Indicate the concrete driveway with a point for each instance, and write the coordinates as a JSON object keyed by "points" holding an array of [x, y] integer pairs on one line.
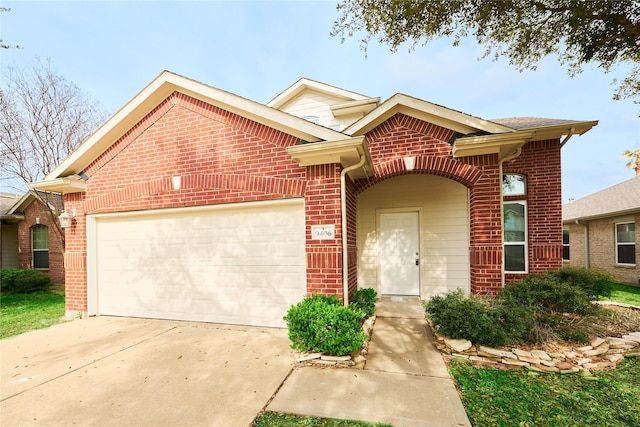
{"points": [[120, 372]]}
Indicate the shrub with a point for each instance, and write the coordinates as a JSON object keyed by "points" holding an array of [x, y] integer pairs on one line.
{"points": [[321, 324], [547, 292], [364, 300], [597, 284], [23, 281], [481, 321]]}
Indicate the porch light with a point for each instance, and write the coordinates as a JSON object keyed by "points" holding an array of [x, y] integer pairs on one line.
{"points": [[410, 163], [66, 219]]}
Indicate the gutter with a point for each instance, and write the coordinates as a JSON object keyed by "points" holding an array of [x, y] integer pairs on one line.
{"points": [[343, 209]]}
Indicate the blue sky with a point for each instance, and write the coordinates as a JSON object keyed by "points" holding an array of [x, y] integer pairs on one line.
{"points": [[112, 50]]}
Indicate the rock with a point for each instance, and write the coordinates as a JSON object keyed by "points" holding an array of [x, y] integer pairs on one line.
{"points": [[584, 348], [518, 352], [549, 363], [360, 359], [534, 360], [335, 358], [557, 356], [637, 334], [584, 361], [460, 356], [635, 338], [596, 342], [547, 368], [614, 357], [541, 354], [494, 352], [323, 362], [563, 366], [310, 356], [458, 345], [571, 355], [483, 360], [514, 362], [595, 352], [621, 342]]}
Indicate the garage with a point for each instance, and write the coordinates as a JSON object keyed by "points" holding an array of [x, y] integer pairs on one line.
{"points": [[238, 263]]}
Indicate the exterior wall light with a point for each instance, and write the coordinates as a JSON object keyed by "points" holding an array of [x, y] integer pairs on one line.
{"points": [[66, 219], [410, 163]]}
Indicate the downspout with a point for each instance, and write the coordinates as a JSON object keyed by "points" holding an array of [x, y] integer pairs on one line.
{"points": [[343, 209], [587, 260], [500, 162]]}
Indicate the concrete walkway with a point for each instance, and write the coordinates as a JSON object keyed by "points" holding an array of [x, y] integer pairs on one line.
{"points": [[405, 381]]}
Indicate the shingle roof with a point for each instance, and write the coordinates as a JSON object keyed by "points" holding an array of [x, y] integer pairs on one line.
{"points": [[7, 200], [619, 199], [520, 123]]}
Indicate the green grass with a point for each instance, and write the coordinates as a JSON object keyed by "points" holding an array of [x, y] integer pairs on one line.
{"points": [[25, 312], [520, 398], [275, 419], [625, 294]]}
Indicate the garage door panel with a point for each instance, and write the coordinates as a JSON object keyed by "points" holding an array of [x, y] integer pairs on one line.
{"points": [[242, 266]]}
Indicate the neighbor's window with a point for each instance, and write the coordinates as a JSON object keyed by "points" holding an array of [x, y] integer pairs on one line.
{"points": [[566, 251], [40, 246], [515, 237], [626, 243], [514, 184]]}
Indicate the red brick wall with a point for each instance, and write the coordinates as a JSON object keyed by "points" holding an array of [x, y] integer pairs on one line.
{"points": [[540, 163], [38, 213], [75, 256], [403, 136]]}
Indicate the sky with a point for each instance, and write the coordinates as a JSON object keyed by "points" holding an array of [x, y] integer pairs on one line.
{"points": [[256, 49]]}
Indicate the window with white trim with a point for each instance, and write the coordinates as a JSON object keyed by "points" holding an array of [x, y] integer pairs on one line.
{"points": [[515, 236], [40, 246], [566, 249], [626, 243]]}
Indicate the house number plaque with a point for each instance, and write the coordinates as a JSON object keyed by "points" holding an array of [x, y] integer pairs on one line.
{"points": [[323, 232]]}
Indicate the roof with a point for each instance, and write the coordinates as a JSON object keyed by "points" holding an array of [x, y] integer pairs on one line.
{"points": [[7, 200], [620, 199], [475, 136]]}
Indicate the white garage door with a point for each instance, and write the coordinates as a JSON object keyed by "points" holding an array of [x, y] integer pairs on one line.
{"points": [[240, 264]]}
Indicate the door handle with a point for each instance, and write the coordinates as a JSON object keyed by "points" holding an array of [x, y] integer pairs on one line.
{"points": [[417, 258], [417, 262]]}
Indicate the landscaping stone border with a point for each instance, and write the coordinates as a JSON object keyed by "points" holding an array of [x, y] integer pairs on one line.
{"points": [[601, 353]]}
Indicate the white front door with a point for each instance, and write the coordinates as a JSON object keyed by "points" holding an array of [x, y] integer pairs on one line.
{"points": [[399, 253]]}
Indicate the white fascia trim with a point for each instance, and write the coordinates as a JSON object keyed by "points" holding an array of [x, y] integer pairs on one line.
{"points": [[156, 92], [355, 107], [423, 110], [64, 185]]}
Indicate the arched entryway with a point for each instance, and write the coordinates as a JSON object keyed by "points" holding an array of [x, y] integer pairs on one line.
{"points": [[413, 236]]}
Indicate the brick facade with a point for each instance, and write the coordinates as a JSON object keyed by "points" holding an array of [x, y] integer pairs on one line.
{"points": [[602, 247], [222, 157], [38, 213]]}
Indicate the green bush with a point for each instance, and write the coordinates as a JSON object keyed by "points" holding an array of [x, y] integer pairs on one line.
{"points": [[597, 284], [322, 324], [482, 321], [364, 300], [547, 292], [18, 281]]}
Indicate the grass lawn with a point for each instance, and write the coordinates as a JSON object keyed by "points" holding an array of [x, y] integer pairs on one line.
{"points": [[275, 419], [494, 397], [25, 312], [625, 294]]}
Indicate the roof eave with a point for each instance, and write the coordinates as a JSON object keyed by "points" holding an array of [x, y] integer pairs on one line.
{"points": [[64, 185], [346, 152], [156, 92], [602, 216]]}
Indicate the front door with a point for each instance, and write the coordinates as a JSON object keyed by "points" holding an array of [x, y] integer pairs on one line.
{"points": [[399, 253]]}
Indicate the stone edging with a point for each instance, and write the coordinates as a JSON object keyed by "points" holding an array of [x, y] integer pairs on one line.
{"points": [[602, 353], [355, 360]]}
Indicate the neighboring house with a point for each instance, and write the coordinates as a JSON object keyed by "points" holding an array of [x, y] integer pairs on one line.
{"points": [[600, 231], [194, 203], [31, 235]]}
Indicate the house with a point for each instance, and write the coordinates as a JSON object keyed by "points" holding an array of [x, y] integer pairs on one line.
{"points": [[599, 231], [194, 203], [31, 234]]}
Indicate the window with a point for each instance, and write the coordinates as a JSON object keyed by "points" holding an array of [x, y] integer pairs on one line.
{"points": [[515, 237], [626, 243], [566, 252], [40, 246], [513, 184]]}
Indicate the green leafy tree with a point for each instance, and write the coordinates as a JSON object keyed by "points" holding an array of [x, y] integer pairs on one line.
{"points": [[605, 32], [634, 159]]}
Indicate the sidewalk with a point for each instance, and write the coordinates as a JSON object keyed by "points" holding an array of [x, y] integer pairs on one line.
{"points": [[404, 383]]}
